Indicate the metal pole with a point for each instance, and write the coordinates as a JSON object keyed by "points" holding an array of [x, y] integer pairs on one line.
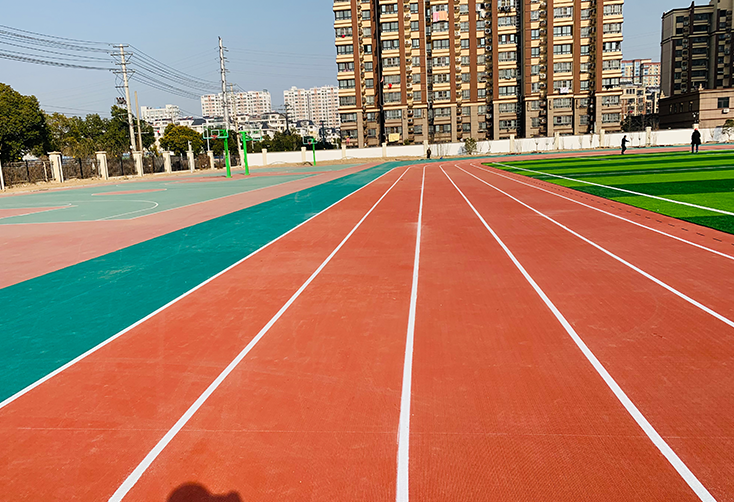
{"points": [[123, 63], [2, 178], [140, 135], [224, 86], [313, 146], [226, 157]]}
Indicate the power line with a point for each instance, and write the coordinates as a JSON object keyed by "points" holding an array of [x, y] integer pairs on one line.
{"points": [[25, 59]]}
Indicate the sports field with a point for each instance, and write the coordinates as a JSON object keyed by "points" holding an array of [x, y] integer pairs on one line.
{"points": [[696, 188], [405, 331]]}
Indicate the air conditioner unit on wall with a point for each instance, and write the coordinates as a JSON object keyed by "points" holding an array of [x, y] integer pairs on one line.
{"points": [[725, 110]]}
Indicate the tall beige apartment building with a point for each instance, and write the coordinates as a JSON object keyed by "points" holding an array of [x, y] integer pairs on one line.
{"points": [[440, 70]]}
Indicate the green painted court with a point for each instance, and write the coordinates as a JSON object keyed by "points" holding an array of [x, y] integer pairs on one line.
{"points": [[672, 184]]}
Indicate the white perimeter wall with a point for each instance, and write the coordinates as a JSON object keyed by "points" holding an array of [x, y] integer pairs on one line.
{"points": [[669, 137]]}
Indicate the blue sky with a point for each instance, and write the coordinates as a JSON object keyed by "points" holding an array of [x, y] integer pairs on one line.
{"points": [[267, 49]]}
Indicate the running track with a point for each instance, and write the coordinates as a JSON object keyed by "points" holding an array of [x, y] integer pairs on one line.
{"points": [[448, 332]]}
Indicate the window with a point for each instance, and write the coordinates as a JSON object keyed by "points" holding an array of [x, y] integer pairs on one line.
{"points": [[464, 43], [418, 113], [440, 26], [389, 8], [417, 61], [613, 28], [388, 27], [508, 107], [344, 49], [610, 101], [390, 62], [365, 15], [585, 31], [561, 67], [464, 26], [583, 120], [442, 112], [562, 12], [612, 64], [534, 122], [392, 79], [391, 97], [393, 114], [417, 78], [563, 86], [612, 46], [417, 95], [465, 94], [562, 49], [347, 101], [481, 93], [608, 83], [585, 13], [371, 133], [416, 43], [342, 14], [508, 90], [562, 31], [415, 26], [584, 85], [368, 49], [418, 129], [442, 95], [414, 8], [723, 103], [345, 66], [465, 127], [535, 69], [441, 78], [346, 84], [367, 66], [534, 34], [507, 21], [584, 50], [508, 124], [508, 74], [348, 117], [562, 120], [507, 56], [562, 103], [466, 77], [442, 61], [390, 45], [610, 118], [510, 38], [535, 52], [343, 32], [613, 10], [369, 83]]}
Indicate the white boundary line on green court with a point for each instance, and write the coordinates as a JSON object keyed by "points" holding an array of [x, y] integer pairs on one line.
{"points": [[114, 337], [682, 469], [705, 208], [680, 239], [657, 171]]}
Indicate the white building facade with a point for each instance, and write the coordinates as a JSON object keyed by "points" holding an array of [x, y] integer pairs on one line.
{"points": [[169, 112], [318, 104], [240, 103]]}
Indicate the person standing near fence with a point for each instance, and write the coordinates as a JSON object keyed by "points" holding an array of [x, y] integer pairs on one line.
{"points": [[695, 141], [624, 144]]}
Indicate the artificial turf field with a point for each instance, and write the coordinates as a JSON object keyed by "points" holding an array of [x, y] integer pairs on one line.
{"points": [[705, 179]]}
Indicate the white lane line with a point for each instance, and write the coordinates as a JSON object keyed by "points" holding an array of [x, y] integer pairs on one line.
{"points": [[654, 279], [680, 239], [175, 300], [648, 171], [155, 205], [133, 478], [705, 208], [649, 430], [403, 488]]}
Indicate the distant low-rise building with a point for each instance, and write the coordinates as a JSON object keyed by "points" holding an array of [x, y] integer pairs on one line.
{"points": [[708, 108], [168, 112]]}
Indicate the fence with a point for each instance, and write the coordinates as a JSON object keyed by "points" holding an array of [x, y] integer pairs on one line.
{"points": [[153, 164], [27, 171], [79, 168], [202, 162], [179, 163]]}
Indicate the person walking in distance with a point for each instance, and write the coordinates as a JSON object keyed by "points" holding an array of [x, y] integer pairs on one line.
{"points": [[695, 141], [428, 153], [624, 144]]}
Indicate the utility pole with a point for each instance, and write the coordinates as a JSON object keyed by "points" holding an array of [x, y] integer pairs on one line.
{"points": [[123, 65], [140, 135], [223, 70], [237, 125]]}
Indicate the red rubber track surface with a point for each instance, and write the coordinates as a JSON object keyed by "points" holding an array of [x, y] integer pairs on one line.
{"points": [[77, 436], [671, 358], [66, 244], [504, 405]]}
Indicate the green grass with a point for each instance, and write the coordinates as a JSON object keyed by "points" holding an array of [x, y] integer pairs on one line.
{"points": [[706, 179]]}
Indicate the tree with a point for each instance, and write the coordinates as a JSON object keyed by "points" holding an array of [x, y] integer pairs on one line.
{"points": [[77, 137], [470, 145], [728, 128], [176, 138], [22, 125]]}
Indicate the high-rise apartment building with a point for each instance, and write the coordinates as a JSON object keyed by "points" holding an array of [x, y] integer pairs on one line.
{"points": [[240, 103], [643, 72], [696, 48], [169, 112], [318, 104], [441, 70]]}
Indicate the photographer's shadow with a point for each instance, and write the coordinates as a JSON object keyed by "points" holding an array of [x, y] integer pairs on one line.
{"points": [[194, 492]]}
